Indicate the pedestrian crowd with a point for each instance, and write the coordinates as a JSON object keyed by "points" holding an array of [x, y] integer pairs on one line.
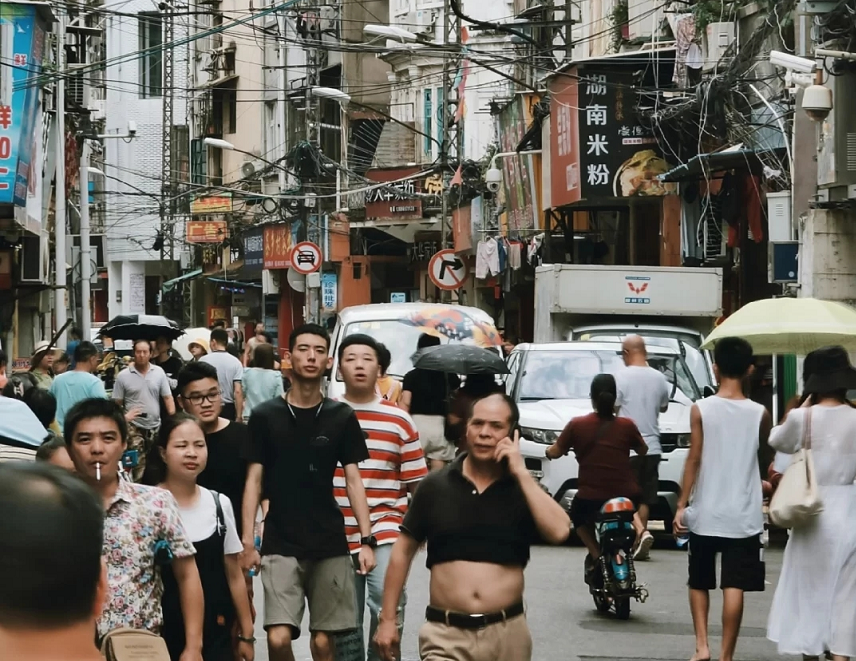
{"points": [[153, 509]]}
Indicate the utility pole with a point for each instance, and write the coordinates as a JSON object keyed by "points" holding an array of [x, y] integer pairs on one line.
{"points": [[313, 137], [60, 226], [168, 96], [85, 247], [451, 142]]}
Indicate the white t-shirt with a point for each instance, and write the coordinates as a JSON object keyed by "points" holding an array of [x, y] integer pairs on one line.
{"points": [[727, 500], [642, 392], [200, 521], [230, 371]]}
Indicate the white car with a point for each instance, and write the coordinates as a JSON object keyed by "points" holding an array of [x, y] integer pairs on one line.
{"points": [[550, 384]]}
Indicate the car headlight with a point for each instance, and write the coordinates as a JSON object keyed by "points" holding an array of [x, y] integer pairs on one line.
{"points": [[682, 440], [542, 436]]}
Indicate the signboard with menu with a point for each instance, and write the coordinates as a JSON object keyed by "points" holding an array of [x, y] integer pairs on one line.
{"points": [[598, 147]]}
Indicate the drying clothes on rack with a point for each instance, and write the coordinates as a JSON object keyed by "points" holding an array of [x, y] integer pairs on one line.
{"points": [[533, 252], [514, 250], [502, 251], [487, 258]]}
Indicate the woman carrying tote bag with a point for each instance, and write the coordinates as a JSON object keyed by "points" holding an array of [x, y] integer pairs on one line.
{"points": [[814, 608]]}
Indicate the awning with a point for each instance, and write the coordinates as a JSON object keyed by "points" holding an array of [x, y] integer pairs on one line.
{"points": [[169, 285], [703, 164], [234, 283]]}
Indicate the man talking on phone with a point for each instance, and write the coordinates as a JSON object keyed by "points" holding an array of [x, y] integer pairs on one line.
{"points": [[479, 516]]}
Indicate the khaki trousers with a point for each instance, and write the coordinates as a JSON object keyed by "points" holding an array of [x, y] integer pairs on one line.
{"points": [[503, 641]]}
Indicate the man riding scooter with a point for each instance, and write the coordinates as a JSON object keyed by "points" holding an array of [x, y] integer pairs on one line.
{"points": [[602, 444]]}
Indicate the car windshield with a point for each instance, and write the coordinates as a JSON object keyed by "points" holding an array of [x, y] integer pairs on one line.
{"points": [[568, 374], [399, 338], [693, 355], [563, 374]]}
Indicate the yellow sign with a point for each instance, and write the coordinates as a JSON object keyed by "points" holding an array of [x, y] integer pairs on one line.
{"points": [[212, 204]]}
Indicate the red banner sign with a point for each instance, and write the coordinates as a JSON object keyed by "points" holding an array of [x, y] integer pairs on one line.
{"points": [[206, 231], [277, 247]]}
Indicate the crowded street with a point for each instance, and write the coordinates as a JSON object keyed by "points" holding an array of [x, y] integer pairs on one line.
{"points": [[566, 626]]}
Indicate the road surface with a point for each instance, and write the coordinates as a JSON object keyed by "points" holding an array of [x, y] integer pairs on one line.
{"points": [[565, 625]]}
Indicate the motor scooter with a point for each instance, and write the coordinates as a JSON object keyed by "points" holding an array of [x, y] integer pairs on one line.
{"points": [[612, 580]]}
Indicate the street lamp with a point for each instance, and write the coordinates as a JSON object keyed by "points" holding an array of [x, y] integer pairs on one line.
{"points": [[331, 93], [391, 32]]}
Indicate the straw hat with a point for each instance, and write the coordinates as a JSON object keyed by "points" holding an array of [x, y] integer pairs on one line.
{"points": [[200, 342]]}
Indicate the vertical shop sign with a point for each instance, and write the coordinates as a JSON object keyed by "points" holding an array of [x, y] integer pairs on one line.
{"points": [[277, 247], [254, 250], [329, 292], [517, 170], [22, 37]]}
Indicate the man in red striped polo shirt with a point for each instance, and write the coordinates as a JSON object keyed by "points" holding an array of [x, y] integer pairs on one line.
{"points": [[395, 466]]}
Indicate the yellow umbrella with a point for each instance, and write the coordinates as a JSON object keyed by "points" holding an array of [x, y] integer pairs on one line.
{"points": [[790, 326]]}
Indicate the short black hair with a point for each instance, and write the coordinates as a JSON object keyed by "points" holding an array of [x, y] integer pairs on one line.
{"points": [[733, 356], [509, 401], [384, 357], [308, 329], [220, 336], [156, 471], [195, 371], [96, 407], [218, 323], [360, 339], [43, 404], [47, 449], [140, 339], [425, 340], [53, 531], [84, 351], [76, 332], [62, 358]]}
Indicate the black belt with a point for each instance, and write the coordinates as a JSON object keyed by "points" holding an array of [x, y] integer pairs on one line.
{"points": [[474, 621]]}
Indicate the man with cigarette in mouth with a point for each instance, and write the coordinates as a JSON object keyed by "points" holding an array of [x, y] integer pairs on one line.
{"points": [[142, 529]]}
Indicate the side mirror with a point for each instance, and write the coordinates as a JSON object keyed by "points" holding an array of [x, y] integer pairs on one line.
{"points": [[708, 391]]}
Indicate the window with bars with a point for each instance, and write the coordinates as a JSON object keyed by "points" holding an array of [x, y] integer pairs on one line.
{"points": [[151, 55], [427, 120], [198, 162]]}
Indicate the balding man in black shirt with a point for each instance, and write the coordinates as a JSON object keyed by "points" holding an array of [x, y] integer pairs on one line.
{"points": [[479, 516]]}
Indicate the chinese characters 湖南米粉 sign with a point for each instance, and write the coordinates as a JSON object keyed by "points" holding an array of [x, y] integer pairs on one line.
{"points": [[599, 148]]}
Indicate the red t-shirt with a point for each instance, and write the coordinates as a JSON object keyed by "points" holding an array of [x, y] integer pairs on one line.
{"points": [[603, 449]]}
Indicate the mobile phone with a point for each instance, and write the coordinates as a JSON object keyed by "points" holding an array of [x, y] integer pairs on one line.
{"points": [[130, 459]]}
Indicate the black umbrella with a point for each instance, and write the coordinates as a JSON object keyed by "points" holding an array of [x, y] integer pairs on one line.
{"points": [[140, 327], [460, 359]]}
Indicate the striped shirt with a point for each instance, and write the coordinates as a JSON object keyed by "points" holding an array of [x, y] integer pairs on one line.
{"points": [[395, 460]]}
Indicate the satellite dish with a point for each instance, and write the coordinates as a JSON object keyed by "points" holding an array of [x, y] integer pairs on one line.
{"points": [[297, 281]]}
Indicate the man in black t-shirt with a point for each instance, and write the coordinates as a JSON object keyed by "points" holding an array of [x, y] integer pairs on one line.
{"points": [[425, 394], [296, 442]]}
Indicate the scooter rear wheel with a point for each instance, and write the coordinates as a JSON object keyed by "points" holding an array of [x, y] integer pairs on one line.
{"points": [[622, 608]]}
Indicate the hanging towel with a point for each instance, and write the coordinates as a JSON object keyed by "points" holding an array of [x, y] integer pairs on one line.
{"points": [[502, 252], [514, 248]]}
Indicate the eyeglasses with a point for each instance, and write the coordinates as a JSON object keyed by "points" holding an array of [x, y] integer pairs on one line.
{"points": [[196, 398]]}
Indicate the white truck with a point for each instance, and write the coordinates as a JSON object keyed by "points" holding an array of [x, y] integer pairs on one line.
{"points": [[672, 308]]}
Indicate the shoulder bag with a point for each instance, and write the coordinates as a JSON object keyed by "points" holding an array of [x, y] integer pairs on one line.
{"points": [[797, 499], [133, 645]]}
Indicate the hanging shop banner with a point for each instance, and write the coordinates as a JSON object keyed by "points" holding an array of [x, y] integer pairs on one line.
{"points": [[399, 201], [519, 172], [598, 147], [211, 204], [217, 313], [329, 292], [254, 251], [22, 42], [206, 231], [278, 244]]}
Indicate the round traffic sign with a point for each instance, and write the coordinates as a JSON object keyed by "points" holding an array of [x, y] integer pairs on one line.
{"points": [[306, 258], [447, 270]]}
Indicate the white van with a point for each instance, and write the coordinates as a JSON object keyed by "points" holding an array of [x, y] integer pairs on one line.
{"points": [[399, 325]]}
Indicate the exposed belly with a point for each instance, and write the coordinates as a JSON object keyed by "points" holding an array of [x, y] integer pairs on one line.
{"points": [[475, 587]]}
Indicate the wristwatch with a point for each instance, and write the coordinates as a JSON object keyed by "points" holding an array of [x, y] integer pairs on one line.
{"points": [[370, 541]]}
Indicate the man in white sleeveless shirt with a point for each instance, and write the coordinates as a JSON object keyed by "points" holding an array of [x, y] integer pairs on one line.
{"points": [[722, 484]]}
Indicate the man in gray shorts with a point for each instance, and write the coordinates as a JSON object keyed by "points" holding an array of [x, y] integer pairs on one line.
{"points": [[296, 442], [643, 393]]}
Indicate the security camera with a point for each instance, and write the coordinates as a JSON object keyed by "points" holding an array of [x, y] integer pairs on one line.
{"points": [[132, 128], [493, 179], [817, 102], [793, 62]]}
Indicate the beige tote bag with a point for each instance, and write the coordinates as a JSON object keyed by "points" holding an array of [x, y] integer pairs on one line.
{"points": [[797, 500]]}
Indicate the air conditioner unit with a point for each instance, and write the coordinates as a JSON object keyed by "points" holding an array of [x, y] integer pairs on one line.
{"points": [[779, 216], [97, 109], [249, 168], [421, 21], [718, 37], [186, 260], [836, 159]]}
